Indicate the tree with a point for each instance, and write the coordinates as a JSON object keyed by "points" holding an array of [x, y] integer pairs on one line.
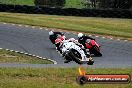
{"points": [[123, 4], [93, 3], [51, 3], [89, 3], [120, 4]]}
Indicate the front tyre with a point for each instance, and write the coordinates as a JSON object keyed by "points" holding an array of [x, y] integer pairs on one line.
{"points": [[75, 55], [67, 57]]}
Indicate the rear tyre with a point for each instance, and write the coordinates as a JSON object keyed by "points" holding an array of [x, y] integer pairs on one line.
{"points": [[67, 58], [97, 51]]}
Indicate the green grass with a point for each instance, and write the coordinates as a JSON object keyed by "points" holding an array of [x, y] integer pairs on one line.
{"points": [[104, 26], [18, 2], [11, 57], [69, 3], [55, 77], [73, 4]]}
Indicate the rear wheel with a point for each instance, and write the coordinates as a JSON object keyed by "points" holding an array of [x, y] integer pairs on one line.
{"points": [[97, 51]]}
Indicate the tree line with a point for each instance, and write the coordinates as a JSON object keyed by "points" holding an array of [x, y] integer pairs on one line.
{"points": [[99, 4]]}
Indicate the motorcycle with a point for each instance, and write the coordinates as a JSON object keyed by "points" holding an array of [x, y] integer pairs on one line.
{"points": [[71, 51], [93, 47]]}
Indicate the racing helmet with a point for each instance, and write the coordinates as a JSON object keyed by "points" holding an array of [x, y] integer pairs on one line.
{"points": [[80, 35], [51, 33]]}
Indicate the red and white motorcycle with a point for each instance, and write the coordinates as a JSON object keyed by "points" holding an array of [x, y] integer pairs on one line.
{"points": [[71, 51], [93, 47]]}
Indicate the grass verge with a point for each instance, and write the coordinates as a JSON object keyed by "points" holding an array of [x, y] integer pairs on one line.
{"points": [[55, 77], [96, 25], [18, 2], [11, 57]]}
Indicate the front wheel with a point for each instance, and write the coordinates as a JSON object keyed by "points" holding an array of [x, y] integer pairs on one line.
{"points": [[75, 55], [67, 57]]}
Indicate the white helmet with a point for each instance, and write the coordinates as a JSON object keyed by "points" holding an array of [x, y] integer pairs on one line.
{"points": [[80, 35], [51, 33]]}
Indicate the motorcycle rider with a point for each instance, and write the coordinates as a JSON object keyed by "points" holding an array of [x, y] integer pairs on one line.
{"points": [[54, 35], [86, 51], [59, 44], [83, 39], [76, 42]]}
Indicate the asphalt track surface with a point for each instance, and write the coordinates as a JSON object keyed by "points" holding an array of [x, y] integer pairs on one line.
{"points": [[34, 40]]}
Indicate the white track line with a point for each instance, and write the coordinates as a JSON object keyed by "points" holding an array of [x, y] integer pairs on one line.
{"points": [[41, 57], [40, 28], [19, 25], [103, 37], [29, 55], [4, 23], [33, 27], [96, 36], [26, 53], [12, 50], [46, 29], [125, 40], [26, 26], [12, 24], [7, 49], [37, 56], [17, 51], [34, 55], [118, 39], [111, 38], [21, 52]]}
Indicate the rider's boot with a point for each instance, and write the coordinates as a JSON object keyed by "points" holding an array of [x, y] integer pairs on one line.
{"points": [[87, 58], [86, 51]]}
